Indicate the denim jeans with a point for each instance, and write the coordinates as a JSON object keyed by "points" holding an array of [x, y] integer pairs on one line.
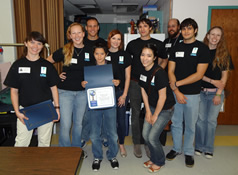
{"points": [[189, 114], [86, 126], [207, 122], [135, 102], [121, 119], [72, 109], [108, 118], [151, 136]]}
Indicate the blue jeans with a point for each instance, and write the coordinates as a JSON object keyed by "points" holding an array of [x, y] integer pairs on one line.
{"points": [[135, 102], [108, 118], [86, 125], [207, 122], [189, 114], [72, 109], [151, 135], [121, 119]]}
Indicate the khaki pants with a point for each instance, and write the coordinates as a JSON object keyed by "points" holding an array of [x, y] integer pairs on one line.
{"points": [[23, 137]]}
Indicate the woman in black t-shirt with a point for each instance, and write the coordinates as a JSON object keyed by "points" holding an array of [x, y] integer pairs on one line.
{"points": [[212, 94], [72, 97], [159, 101], [121, 63], [32, 80]]}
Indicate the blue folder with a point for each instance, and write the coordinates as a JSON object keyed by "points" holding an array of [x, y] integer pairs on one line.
{"points": [[39, 114]]}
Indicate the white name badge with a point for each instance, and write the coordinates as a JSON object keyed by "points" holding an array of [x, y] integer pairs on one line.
{"points": [[143, 78], [179, 54], [168, 45], [108, 58], [87, 55], [24, 70], [43, 70], [74, 61]]}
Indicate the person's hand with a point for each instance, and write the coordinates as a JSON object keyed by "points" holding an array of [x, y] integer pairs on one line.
{"points": [[21, 117], [62, 76], [216, 100], [148, 116], [218, 83], [58, 113], [121, 101], [116, 82], [83, 84], [172, 86], [153, 119], [181, 98]]}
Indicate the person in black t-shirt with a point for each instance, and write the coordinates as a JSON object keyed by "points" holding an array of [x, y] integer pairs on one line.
{"points": [[188, 62], [212, 94], [121, 63], [32, 80], [134, 49], [159, 101], [72, 97]]}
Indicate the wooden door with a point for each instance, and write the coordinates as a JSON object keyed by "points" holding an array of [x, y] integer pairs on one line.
{"points": [[228, 20]]}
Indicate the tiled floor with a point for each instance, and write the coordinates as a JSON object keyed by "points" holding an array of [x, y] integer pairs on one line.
{"points": [[224, 162]]}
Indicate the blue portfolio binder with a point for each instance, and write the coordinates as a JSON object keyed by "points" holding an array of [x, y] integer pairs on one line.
{"points": [[39, 114]]}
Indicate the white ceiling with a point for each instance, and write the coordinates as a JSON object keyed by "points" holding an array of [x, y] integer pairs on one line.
{"points": [[87, 7]]}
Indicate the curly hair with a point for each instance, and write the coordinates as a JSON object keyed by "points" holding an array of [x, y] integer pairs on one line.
{"points": [[222, 55]]}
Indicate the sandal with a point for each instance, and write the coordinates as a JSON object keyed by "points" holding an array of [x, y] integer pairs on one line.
{"points": [[147, 164], [154, 170]]}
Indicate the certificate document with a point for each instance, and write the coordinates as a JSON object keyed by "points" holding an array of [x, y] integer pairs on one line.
{"points": [[100, 88]]}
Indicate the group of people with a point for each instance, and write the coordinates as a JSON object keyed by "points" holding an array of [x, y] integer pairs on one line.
{"points": [[181, 80]]}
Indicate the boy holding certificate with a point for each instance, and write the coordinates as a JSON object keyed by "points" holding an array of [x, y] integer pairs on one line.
{"points": [[105, 116]]}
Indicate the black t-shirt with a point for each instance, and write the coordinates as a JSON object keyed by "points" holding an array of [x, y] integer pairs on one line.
{"points": [[33, 80], [134, 48], [120, 61], [91, 43], [75, 71], [171, 42], [187, 57], [215, 73], [159, 81]]}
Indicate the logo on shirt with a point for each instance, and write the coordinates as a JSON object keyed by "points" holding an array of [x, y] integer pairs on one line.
{"points": [[86, 58], [153, 81], [194, 51], [108, 58], [121, 59], [43, 71]]}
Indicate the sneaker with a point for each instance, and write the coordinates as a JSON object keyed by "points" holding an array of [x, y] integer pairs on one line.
{"points": [[189, 161], [105, 143], [198, 152], [96, 164], [137, 151], [114, 163], [172, 154], [83, 144], [209, 155]]}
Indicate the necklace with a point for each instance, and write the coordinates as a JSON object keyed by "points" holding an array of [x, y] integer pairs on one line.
{"points": [[78, 53]]}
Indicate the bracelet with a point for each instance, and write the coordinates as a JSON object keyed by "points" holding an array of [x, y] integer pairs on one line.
{"points": [[57, 107], [218, 95]]}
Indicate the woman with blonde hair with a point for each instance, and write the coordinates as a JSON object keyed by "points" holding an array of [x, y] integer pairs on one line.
{"points": [[72, 97], [212, 94]]}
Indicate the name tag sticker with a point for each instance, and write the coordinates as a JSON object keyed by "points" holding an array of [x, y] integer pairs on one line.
{"points": [[108, 58], [22, 70], [143, 78], [179, 54], [74, 61], [168, 45]]}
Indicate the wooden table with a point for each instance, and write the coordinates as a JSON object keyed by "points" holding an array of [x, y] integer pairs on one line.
{"points": [[39, 160]]}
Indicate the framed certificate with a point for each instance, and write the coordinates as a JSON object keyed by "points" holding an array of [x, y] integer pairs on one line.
{"points": [[102, 97]]}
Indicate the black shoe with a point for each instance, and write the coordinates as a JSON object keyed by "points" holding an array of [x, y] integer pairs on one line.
{"points": [[208, 155], [172, 154], [189, 161], [96, 164], [114, 163], [198, 152]]}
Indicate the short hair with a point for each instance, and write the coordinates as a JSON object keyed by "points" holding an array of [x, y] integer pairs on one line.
{"points": [[189, 22], [91, 18], [100, 45], [144, 20], [111, 34]]}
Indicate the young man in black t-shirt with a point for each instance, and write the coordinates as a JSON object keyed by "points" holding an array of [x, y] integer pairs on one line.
{"points": [[134, 49], [188, 62]]}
